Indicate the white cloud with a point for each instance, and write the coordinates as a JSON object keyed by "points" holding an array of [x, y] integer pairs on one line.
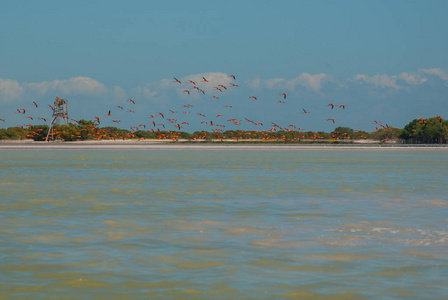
{"points": [[119, 92], [309, 81], [438, 72], [254, 83], [274, 83], [379, 81], [73, 86], [412, 79], [146, 92], [403, 80], [10, 89]]}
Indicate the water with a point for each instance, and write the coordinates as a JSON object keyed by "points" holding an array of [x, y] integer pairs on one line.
{"points": [[224, 224]]}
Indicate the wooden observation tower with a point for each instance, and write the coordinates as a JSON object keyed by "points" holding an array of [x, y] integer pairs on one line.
{"points": [[60, 111]]}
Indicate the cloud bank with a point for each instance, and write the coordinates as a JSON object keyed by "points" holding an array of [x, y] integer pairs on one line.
{"points": [[12, 90]]}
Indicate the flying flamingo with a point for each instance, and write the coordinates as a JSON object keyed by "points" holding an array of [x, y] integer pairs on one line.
{"points": [[330, 119], [253, 97], [331, 104], [284, 95], [176, 80]]}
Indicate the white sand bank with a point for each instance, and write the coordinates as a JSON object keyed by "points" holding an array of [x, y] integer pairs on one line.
{"points": [[180, 145]]}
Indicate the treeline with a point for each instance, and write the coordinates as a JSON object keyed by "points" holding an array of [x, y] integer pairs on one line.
{"points": [[432, 130]]}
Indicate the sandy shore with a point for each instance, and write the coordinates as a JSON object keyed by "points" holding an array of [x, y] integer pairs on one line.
{"points": [[179, 145]]}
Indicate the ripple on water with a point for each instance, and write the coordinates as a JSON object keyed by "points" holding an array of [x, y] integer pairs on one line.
{"points": [[342, 224]]}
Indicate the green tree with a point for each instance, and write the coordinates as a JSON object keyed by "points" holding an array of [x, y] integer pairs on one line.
{"points": [[426, 131]]}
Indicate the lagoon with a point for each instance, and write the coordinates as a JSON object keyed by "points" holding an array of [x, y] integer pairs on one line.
{"points": [[223, 223]]}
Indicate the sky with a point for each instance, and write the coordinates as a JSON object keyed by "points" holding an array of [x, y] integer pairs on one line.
{"points": [[385, 61]]}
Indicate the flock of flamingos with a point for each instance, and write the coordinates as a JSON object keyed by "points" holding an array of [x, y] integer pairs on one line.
{"points": [[168, 124]]}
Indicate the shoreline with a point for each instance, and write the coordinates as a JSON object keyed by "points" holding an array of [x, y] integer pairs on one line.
{"points": [[217, 145]]}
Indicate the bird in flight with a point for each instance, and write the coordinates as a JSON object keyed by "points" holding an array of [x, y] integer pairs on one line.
{"points": [[284, 95]]}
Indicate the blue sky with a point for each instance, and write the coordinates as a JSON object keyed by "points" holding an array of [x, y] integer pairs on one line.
{"points": [[384, 60]]}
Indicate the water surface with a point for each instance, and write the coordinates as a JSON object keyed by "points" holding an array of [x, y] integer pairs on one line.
{"points": [[224, 224]]}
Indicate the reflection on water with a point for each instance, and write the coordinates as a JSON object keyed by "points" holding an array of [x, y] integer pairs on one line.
{"points": [[232, 224]]}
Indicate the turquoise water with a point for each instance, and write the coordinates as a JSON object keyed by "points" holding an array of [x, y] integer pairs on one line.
{"points": [[224, 224]]}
